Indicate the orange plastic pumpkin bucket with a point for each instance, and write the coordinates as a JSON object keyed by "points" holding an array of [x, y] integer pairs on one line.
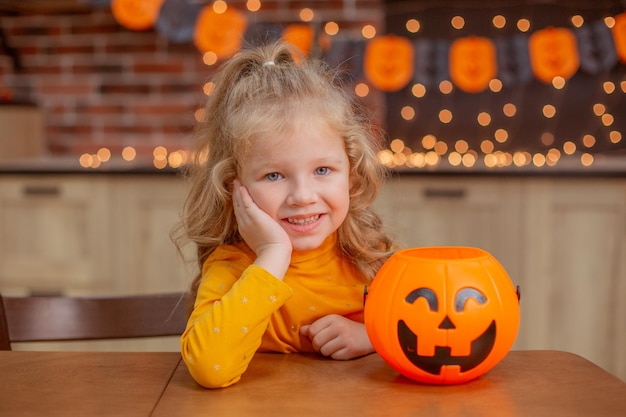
{"points": [[442, 315]]}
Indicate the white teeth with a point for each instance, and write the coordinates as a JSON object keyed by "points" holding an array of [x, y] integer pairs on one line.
{"points": [[303, 220]]}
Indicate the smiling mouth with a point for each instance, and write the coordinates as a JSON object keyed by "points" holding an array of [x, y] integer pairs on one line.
{"points": [[480, 349], [301, 221]]}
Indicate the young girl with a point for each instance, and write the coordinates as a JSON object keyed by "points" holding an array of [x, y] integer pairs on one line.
{"points": [[279, 211]]}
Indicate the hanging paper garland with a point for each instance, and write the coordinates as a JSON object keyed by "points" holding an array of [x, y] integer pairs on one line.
{"points": [[220, 33], [388, 62], [619, 36], [595, 47], [472, 63], [299, 35], [177, 20], [347, 54], [431, 61], [258, 33], [136, 14], [306, 38], [553, 53], [513, 60], [98, 3]]}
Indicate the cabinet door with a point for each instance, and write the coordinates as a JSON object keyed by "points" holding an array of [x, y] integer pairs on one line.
{"points": [[574, 297], [145, 211], [455, 211], [53, 233]]}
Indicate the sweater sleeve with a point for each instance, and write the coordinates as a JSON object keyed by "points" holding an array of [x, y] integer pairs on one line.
{"points": [[231, 313]]}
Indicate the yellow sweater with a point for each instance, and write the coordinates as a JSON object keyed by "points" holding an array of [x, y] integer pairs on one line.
{"points": [[241, 308]]}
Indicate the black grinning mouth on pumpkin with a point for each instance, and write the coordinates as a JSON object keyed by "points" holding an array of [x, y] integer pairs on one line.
{"points": [[480, 349]]}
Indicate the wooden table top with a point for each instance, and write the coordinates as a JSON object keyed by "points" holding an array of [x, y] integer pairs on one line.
{"points": [[85, 384], [525, 383]]}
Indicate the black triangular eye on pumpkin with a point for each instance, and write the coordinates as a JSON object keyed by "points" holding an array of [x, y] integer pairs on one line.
{"points": [[465, 294], [426, 293]]}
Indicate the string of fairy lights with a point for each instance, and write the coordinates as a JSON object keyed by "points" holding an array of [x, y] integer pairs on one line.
{"points": [[419, 115], [459, 153]]}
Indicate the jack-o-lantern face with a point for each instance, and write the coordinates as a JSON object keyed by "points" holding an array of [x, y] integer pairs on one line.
{"points": [[432, 363], [553, 52], [220, 33], [442, 315], [472, 63], [388, 62]]}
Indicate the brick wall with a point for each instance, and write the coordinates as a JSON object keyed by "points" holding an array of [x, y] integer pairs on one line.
{"points": [[102, 85]]}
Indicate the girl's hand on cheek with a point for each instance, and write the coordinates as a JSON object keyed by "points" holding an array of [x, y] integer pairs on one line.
{"points": [[261, 232]]}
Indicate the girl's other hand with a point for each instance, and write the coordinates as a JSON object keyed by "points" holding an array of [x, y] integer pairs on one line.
{"points": [[338, 337], [262, 233]]}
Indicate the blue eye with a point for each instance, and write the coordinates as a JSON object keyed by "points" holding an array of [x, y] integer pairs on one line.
{"points": [[274, 176], [322, 170]]}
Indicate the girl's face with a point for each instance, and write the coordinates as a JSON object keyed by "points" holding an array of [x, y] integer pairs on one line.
{"points": [[301, 178]]}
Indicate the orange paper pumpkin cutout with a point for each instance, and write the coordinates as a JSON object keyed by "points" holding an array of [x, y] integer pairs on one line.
{"points": [[472, 63], [442, 315], [299, 35], [136, 14], [619, 36], [220, 33], [553, 53], [388, 62], [303, 37]]}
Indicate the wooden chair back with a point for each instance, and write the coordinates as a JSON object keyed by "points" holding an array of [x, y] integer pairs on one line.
{"points": [[38, 319]]}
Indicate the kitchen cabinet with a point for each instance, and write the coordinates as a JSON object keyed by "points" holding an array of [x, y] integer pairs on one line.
{"points": [[458, 211], [144, 211], [91, 234], [54, 234], [573, 266]]}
